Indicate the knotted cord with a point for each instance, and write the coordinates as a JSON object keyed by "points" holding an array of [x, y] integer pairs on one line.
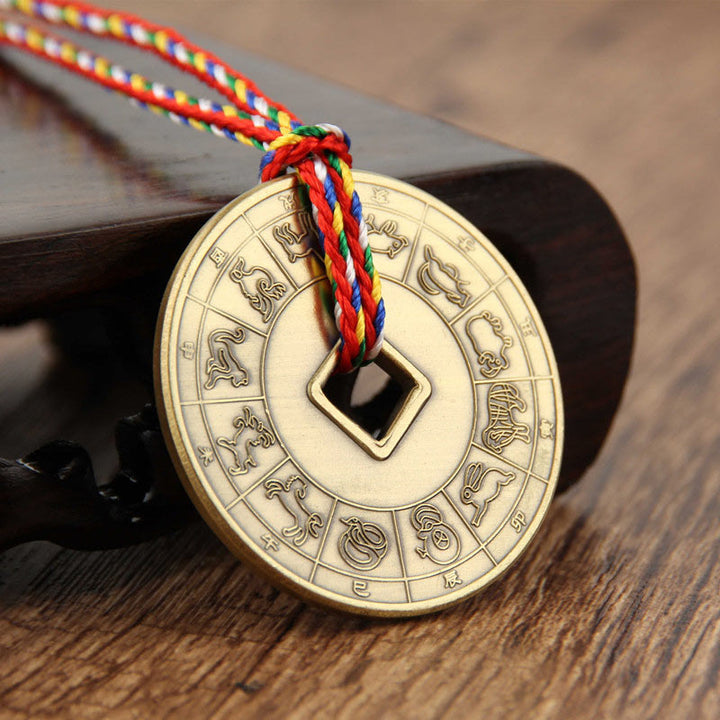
{"points": [[320, 154]]}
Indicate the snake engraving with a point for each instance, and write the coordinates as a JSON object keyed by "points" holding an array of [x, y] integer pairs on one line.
{"points": [[363, 545]]}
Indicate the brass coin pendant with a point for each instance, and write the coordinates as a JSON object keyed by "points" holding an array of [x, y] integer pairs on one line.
{"points": [[399, 511]]}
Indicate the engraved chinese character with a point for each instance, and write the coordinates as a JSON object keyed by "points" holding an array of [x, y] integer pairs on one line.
{"points": [[188, 350], [218, 255], [380, 196], [466, 243], [518, 522], [547, 429], [360, 588], [289, 202], [527, 328], [452, 579], [205, 454], [271, 542]]}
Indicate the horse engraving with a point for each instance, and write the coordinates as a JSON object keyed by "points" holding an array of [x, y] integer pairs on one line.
{"points": [[490, 362], [436, 276], [291, 494], [259, 287], [389, 229], [440, 543], [296, 243], [363, 545], [481, 486], [503, 401], [250, 433], [223, 364]]}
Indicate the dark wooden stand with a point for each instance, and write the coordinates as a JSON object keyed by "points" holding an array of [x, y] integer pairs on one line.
{"points": [[102, 202]]}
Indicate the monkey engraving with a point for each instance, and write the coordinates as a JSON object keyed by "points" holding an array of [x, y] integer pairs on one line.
{"points": [[490, 362], [291, 494], [223, 364], [265, 291], [250, 433], [503, 401], [437, 277], [481, 486]]}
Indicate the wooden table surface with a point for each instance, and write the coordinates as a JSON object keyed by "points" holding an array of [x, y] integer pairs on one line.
{"points": [[615, 610]]}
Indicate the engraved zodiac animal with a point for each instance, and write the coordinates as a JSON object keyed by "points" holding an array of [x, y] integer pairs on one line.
{"points": [[481, 486], [297, 244], [223, 364], [291, 494], [250, 434], [263, 293], [363, 545], [490, 362], [437, 277], [503, 401], [440, 543], [389, 229]]}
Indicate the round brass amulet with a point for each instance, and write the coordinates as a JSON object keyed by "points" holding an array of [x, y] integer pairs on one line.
{"points": [[399, 503]]}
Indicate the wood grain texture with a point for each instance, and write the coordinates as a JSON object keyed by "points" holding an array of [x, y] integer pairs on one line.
{"points": [[614, 611]]}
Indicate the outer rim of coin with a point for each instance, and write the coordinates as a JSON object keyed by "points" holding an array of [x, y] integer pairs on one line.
{"points": [[214, 514]]}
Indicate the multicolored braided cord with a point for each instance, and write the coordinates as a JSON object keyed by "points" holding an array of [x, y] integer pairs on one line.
{"points": [[320, 154]]}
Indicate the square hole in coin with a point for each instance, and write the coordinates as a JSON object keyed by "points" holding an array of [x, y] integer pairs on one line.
{"points": [[376, 404]]}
